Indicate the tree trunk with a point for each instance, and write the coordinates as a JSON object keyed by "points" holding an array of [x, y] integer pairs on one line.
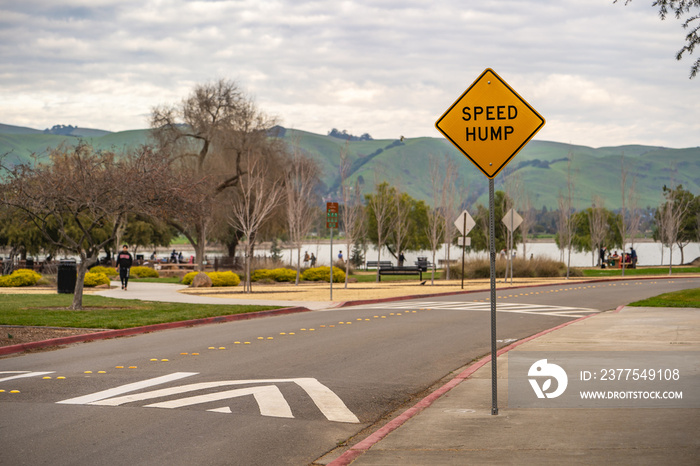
{"points": [[298, 265], [379, 255], [77, 304]]}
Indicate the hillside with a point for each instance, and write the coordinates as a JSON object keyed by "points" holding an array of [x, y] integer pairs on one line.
{"points": [[541, 165]]}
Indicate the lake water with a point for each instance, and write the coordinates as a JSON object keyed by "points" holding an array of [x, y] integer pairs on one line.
{"points": [[647, 253]]}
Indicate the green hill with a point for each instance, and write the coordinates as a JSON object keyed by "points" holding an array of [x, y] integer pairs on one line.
{"points": [[541, 165]]}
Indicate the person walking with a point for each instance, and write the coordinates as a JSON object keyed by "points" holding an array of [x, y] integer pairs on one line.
{"points": [[124, 261]]}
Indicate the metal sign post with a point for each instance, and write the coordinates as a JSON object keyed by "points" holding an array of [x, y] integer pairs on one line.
{"points": [[489, 123], [331, 222], [492, 249], [464, 247]]}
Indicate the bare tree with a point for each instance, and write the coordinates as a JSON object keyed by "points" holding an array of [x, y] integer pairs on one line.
{"points": [[448, 207], [352, 213], [671, 216], [436, 221], [401, 221], [301, 181], [381, 205], [255, 199], [211, 133], [566, 224], [81, 199], [528, 219], [629, 219], [597, 225]]}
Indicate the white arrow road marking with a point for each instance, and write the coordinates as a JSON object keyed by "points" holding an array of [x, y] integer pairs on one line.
{"points": [[22, 374], [93, 398], [269, 398], [225, 410], [328, 402]]}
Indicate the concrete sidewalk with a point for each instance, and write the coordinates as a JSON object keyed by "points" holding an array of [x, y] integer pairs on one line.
{"points": [[167, 292], [457, 428]]}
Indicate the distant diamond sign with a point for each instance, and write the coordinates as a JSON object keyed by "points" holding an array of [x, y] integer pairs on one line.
{"points": [[464, 223], [512, 220], [490, 123]]}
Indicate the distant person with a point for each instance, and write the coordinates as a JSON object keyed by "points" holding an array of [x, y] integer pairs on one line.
{"points": [[306, 259], [340, 256], [180, 258], [402, 258], [313, 260], [124, 261], [633, 257], [173, 257]]}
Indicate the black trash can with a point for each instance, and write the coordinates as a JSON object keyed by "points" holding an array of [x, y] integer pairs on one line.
{"points": [[67, 276]]}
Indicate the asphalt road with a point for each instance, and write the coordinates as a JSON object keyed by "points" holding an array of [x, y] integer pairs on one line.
{"points": [[280, 390]]}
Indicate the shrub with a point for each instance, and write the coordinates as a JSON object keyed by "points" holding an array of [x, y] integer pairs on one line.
{"points": [[224, 278], [187, 279], [35, 275], [278, 275], [323, 274], [537, 267], [217, 278], [260, 274], [144, 272], [283, 275], [20, 277], [109, 271], [95, 278]]}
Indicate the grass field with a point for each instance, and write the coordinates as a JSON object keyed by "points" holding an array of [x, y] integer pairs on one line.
{"points": [[637, 272], [99, 312], [683, 298]]}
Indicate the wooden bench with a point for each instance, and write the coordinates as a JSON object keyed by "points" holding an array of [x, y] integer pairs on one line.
{"points": [[406, 270], [375, 264]]}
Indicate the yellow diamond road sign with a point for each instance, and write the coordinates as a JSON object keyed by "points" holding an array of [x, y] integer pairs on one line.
{"points": [[490, 123]]}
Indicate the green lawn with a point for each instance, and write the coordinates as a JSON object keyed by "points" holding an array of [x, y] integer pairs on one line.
{"points": [[683, 298], [99, 312], [175, 280], [639, 271]]}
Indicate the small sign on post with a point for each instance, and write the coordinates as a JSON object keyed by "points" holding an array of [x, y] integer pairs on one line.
{"points": [[332, 215], [512, 221], [464, 224]]}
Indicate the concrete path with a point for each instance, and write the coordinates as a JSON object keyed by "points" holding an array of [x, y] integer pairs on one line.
{"points": [[167, 292], [457, 427]]}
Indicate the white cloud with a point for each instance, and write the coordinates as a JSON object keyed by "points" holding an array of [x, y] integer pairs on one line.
{"points": [[600, 73]]}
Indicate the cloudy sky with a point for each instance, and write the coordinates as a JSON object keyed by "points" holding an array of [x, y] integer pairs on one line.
{"points": [[600, 73]]}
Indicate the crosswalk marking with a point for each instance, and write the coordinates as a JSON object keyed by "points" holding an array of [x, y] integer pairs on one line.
{"points": [[537, 309]]}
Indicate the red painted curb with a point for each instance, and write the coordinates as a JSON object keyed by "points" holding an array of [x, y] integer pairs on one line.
{"points": [[147, 329], [361, 447]]}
